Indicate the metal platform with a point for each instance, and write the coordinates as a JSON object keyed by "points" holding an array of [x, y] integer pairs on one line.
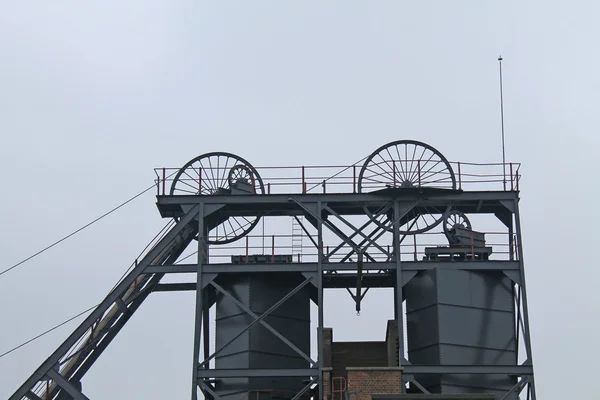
{"points": [[457, 253]]}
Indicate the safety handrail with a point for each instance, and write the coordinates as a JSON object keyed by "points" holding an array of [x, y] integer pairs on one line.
{"points": [[345, 179]]}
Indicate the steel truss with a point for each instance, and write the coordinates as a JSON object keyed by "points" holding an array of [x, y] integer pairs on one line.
{"points": [[63, 370]]}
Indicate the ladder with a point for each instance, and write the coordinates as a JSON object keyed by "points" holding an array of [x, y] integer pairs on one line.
{"points": [[297, 235]]}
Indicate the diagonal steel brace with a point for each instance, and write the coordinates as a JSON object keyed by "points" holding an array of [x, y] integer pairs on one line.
{"points": [[66, 385], [307, 232], [333, 228], [207, 388], [258, 320], [263, 323], [365, 237], [518, 388], [163, 247], [338, 247]]}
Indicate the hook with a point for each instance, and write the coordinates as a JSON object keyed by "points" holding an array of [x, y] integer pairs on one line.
{"points": [[358, 313]]}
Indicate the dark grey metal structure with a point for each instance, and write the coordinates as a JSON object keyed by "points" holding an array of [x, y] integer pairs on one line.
{"points": [[466, 311]]}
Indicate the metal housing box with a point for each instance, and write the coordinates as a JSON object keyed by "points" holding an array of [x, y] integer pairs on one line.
{"points": [[459, 317], [258, 348], [467, 237]]}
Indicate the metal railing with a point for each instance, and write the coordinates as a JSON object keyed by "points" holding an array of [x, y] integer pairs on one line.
{"points": [[279, 248], [344, 179]]}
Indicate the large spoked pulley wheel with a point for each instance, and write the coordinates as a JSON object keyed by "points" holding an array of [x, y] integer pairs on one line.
{"points": [[453, 220], [407, 164], [216, 174]]}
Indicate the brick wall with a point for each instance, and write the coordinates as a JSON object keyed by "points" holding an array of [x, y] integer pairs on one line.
{"points": [[374, 380], [357, 354], [326, 383]]}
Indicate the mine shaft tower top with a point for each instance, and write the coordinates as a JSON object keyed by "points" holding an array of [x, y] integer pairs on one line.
{"points": [[399, 195]]}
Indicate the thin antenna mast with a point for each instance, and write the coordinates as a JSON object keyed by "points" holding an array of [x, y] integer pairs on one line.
{"points": [[502, 124]]}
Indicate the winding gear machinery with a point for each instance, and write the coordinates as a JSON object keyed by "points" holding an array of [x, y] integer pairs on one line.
{"points": [[221, 173], [402, 164], [407, 165], [456, 222]]}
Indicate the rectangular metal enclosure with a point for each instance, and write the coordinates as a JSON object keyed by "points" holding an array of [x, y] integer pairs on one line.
{"points": [[459, 317], [258, 348]]}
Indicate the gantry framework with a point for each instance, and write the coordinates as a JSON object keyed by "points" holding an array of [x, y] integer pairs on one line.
{"points": [[403, 190]]}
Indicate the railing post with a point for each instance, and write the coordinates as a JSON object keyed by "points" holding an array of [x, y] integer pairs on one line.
{"points": [[324, 187], [253, 183], [394, 172], [419, 170], [415, 245], [273, 248], [354, 179], [164, 173], [246, 249], [459, 178], [303, 180], [269, 188], [472, 246], [512, 187]]}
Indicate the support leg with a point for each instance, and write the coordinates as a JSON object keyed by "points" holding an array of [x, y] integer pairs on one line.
{"points": [[320, 302], [199, 301], [525, 310], [399, 283]]}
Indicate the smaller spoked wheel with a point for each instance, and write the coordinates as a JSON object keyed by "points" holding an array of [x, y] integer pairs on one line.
{"points": [[217, 174], [240, 173], [453, 220]]}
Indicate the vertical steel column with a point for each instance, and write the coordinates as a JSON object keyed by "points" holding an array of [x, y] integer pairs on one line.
{"points": [[398, 291], [526, 332], [511, 239], [320, 299], [199, 300]]}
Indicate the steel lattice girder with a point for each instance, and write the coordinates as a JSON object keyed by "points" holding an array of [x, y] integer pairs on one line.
{"points": [[343, 204], [174, 240]]}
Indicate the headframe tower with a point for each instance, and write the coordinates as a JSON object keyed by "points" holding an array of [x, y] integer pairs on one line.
{"points": [[402, 219]]}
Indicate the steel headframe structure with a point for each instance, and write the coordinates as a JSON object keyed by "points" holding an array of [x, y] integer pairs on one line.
{"points": [[393, 195]]}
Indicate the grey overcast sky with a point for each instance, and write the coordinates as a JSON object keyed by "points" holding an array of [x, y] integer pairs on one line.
{"points": [[94, 95]]}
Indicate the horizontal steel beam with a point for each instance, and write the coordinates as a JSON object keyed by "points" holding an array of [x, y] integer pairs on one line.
{"points": [[32, 396], [175, 287], [517, 370], [255, 373], [330, 281], [407, 266], [334, 198]]}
